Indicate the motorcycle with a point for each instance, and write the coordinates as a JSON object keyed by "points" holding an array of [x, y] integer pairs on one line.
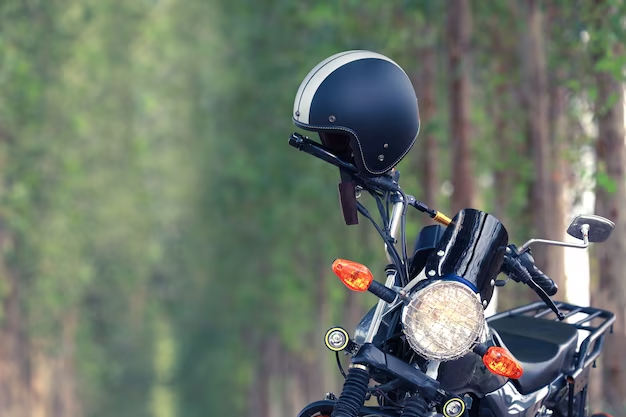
{"points": [[426, 348]]}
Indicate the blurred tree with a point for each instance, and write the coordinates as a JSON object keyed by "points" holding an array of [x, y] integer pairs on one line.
{"points": [[505, 176], [29, 62], [608, 58], [547, 219], [81, 182], [290, 241], [426, 83], [459, 47], [557, 133], [164, 253]]}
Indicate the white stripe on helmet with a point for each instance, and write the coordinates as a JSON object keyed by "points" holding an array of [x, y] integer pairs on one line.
{"points": [[310, 84]]}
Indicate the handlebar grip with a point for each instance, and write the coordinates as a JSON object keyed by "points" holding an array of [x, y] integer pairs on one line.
{"points": [[515, 270], [311, 147], [521, 268], [542, 280], [296, 140]]}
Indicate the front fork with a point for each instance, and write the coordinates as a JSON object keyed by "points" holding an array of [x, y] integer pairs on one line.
{"points": [[354, 393], [355, 386], [394, 222]]}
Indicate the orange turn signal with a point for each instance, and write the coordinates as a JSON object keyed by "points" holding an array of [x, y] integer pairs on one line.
{"points": [[354, 275], [501, 362]]}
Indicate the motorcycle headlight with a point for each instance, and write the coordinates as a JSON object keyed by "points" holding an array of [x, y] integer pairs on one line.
{"points": [[443, 320]]}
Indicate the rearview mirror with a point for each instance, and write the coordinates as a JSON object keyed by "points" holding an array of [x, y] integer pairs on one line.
{"points": [[586, 227], [598, 228]]}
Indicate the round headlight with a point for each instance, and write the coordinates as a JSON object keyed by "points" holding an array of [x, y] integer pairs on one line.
{"points": [[443, 320]]}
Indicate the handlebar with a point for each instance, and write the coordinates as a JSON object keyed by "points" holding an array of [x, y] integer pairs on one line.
{"points": [[311, 147], [519, 267]]}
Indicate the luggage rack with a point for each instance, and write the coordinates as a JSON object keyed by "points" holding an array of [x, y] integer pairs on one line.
{"points": [[591, 347]]}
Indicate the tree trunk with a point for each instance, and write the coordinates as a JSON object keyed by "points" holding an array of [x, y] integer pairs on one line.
{"points": [[59, 397], [611, 202], [427, 157], [499, 106], [259, 394], [557, 122], [557, 225], [294, 397], [504, 176], [459, 31], [16, 396], [536, 99], [320, 375]]}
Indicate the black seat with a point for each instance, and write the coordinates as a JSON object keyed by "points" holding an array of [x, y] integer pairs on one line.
{"points": [[545, 348]]}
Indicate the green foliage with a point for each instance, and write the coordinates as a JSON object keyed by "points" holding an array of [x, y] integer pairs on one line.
{"points": [[149, 192], [606, 182]]}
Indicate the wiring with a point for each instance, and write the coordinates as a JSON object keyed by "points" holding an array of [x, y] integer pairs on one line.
{"points": [[387, 202], [392, 249], [381, 208], [405, 263], [339, 365], [383, 394], [382, 389]]}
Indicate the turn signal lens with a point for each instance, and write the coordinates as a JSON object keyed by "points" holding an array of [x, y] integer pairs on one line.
{"points": [[501, 362], [354, 275]]}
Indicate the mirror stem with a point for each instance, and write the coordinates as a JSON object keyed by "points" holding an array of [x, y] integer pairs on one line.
{"points": [[584, 230]]}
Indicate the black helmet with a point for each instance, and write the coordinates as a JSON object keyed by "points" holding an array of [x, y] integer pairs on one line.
{"points": [[364, 108]]}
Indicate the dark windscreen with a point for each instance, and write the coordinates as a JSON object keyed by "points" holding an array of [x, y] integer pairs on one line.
{"points": [[471, 251]]}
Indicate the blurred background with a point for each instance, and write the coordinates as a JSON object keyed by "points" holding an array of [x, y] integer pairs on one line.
{"points": [[165, 253]]}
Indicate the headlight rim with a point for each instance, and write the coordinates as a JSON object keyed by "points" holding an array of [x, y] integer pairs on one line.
{"points": [[478, 330]]}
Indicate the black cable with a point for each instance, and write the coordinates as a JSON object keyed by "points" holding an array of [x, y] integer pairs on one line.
{"points": [[403, 237], [386, 238], [381, 208], [367, 215], [383, 394], [339, 365], [401, 262], [387, 202], [387, 386]]}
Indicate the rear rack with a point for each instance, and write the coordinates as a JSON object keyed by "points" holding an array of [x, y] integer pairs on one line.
{"points": [[591, 347]]}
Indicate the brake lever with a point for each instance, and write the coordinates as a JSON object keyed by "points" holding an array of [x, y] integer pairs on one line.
{"points": [[514, 269], [546, 298]]}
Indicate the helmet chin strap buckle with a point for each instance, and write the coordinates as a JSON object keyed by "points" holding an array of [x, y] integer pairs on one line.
{"points": [[347, 197]]}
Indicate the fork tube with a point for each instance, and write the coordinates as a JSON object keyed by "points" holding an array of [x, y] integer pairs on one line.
{"points": [[396, 215], [382, 304], [394, 222]]}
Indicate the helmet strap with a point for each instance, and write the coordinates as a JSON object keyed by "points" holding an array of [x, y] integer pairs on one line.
{"points": [[347, 198]]}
